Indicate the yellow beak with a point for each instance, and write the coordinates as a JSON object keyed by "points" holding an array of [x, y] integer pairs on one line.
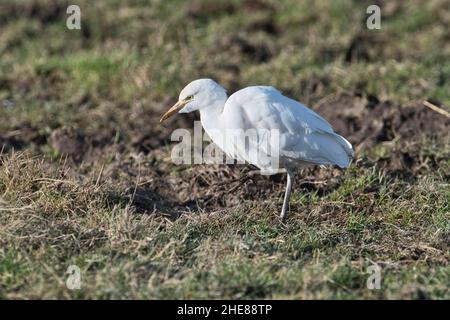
{"points": [[175, 108]]}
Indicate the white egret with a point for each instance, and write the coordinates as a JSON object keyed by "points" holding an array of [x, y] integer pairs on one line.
{"points": [[304, 137]]}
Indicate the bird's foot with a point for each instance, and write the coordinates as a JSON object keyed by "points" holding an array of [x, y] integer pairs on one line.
{"points": [[283, 215]]}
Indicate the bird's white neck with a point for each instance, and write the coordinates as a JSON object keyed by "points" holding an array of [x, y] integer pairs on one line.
{"points": [[210, 116]]}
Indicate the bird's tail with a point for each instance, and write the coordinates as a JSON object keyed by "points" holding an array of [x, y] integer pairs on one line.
{"points": [[346, 145], [336, 149], [322, 148]]}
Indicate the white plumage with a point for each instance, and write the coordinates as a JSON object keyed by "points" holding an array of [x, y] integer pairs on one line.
{"points": [[303, 137]]}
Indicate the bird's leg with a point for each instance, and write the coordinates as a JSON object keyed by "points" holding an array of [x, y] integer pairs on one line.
{"points": [[287, 195]]}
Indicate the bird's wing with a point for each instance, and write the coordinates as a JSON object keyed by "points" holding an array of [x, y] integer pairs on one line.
{"points": [[303, 134]]}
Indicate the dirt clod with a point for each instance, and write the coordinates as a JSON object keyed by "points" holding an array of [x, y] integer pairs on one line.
{"points": [[69, 141]]}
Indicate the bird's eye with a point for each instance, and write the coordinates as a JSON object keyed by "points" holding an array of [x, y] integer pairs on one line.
{"points": [[189, 97]]}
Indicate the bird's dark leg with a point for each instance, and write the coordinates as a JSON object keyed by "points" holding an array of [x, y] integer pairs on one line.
{"points": [[287, 195]]}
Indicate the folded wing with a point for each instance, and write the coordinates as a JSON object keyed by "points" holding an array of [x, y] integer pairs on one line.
{"points": [[304, 136]]}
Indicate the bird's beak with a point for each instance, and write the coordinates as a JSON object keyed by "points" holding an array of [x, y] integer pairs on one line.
{"points": [[175, 108]]}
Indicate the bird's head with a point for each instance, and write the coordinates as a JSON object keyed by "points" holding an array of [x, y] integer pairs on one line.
{"points": [[197, 95]]}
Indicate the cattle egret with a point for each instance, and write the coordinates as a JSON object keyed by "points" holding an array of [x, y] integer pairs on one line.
{"points": [[303, 137]]}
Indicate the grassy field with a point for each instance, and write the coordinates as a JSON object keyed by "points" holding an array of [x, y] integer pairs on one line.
{"points": [[86, 177]]}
